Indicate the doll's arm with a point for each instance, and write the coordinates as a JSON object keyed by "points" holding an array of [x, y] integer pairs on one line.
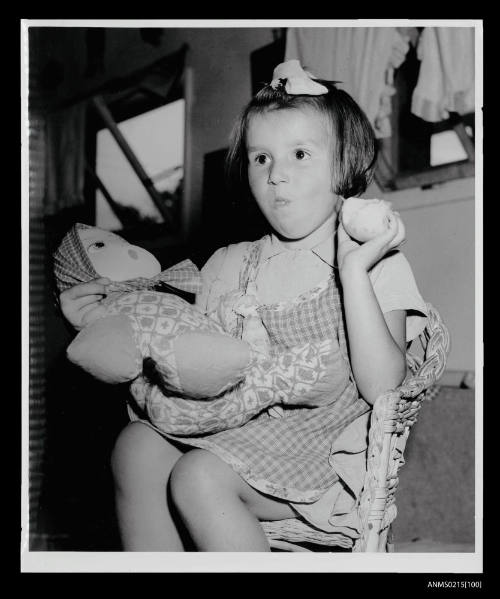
{"points": [[107, 350]]}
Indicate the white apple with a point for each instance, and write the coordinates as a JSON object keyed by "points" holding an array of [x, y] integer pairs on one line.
{"points": [[365, 219]]}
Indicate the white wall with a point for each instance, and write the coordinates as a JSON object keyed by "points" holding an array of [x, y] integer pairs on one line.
{"points": [[441, 250], [220, 64]]}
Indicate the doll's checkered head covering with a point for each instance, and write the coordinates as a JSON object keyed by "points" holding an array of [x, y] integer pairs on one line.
{"points": [[72, 266], [71, 262]]}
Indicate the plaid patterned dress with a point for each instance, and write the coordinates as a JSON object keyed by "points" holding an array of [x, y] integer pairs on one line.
{"points": [[290, 457]]}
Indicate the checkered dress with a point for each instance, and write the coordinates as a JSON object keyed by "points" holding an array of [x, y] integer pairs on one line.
{"points": [[289, 457]]}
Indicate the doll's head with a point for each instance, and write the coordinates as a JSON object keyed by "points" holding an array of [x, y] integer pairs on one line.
{"points": [[353, 147], [86, 253]]}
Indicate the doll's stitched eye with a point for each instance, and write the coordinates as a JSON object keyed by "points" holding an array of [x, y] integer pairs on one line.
{"points": [[95, 247]]}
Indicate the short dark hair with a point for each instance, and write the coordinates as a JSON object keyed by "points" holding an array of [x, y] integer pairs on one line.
{"points": [[355, 151]]}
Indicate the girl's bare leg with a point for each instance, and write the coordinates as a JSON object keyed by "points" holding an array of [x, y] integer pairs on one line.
{"points": [[220, 510], [141, 463]]}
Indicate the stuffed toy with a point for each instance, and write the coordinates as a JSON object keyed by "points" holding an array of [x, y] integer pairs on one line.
{"points": [[188, 375]]}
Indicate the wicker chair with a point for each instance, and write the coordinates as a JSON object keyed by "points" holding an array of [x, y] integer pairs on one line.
{"points": [[393, 415]]}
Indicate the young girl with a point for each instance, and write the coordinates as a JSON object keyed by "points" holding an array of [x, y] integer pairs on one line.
{"points": [[301, 146]]}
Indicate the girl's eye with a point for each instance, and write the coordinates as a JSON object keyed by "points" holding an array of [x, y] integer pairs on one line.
{"points": [[301, 155], [98, 245], [261, 159]]}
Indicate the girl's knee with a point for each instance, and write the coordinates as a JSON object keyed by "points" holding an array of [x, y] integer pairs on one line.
{"points": [[130, 445], [140, 452], [197, 475]]}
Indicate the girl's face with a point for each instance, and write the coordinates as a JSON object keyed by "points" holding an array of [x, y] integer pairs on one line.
{"points": [[290, 170]]}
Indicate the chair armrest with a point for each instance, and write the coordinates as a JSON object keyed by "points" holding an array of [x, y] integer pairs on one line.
{"points": [[393, 415]]}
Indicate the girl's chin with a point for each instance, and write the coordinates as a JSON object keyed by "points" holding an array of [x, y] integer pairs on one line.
{"points": [[297, 229], [298, 233], [292, 235]]}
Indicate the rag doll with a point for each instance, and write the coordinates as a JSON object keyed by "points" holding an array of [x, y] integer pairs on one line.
{"points": [[188, 375]]}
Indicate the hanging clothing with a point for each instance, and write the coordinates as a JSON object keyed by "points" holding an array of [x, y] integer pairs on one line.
{"points": [[446, 77], [361, 59], [65, 163]]}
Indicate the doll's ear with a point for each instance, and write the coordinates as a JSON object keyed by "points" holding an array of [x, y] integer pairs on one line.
{"points": [[107, 350]]}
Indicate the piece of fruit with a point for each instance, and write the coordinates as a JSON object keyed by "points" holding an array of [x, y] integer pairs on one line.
{"points": [[365, 219]]}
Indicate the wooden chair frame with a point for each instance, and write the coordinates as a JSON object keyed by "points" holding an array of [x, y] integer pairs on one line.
{"points": [[392, 418]]}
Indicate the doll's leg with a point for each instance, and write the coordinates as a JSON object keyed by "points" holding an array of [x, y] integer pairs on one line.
{"points": [[141, 463], [220, 510]]}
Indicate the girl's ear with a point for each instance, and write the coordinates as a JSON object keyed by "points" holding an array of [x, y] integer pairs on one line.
{"points": [[339, 200]]}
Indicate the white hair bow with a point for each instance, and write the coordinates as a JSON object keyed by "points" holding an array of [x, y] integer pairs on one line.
{"points": [[295, 80]]}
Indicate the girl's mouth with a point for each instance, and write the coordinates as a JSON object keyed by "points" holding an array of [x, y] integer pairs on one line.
{"points": [[279, 201]]}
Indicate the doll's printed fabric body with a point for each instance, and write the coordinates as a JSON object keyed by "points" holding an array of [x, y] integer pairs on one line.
{"points": [[298, 377], [171, 332], [200, 379], [302, 375]]}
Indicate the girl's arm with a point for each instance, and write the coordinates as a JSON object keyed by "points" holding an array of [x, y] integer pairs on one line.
{"points": [[80, 304], [376, 341]]}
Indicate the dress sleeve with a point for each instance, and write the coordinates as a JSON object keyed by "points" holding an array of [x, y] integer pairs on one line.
{"points": [[220, 275], [396, 289], [209, 273]]}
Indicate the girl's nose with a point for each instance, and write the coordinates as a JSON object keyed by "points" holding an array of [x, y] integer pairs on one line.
{"points": [[278, 174], [133, 254]]}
